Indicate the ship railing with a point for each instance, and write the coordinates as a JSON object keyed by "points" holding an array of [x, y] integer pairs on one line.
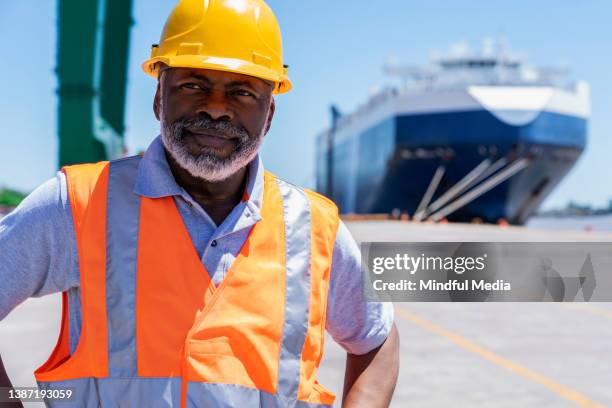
{"points": [[431, 189], [479, 172], [485, 186]]}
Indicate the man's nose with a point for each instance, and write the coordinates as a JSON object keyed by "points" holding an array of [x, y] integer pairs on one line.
{"points": [[216, 107]]}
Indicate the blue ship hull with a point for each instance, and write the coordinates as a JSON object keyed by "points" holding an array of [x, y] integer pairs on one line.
{"points": [[390, 166]]}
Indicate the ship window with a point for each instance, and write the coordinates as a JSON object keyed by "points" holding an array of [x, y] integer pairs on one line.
{"points": [[482, 63]]}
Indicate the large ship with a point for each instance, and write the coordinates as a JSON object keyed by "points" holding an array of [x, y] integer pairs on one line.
{"points": [[473, 136]]}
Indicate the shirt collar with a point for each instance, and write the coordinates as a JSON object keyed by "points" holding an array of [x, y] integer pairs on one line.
{"points": [[155, 179]]}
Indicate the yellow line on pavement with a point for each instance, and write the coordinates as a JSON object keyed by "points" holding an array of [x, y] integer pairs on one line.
{"points": [[469, 345]]}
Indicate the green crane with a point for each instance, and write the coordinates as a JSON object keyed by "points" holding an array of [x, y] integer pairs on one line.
{"points": [[92, 60]]}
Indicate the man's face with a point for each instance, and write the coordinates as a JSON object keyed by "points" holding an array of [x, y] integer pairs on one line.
{"points": [[212, 122]]}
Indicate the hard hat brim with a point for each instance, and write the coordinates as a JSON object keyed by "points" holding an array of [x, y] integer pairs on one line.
{"points": [[238, 66]]}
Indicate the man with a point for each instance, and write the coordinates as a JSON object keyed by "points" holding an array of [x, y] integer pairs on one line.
{"points": [[192, 277]]}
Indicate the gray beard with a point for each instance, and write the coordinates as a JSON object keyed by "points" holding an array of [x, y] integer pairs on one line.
{"points": [[207, 165]]}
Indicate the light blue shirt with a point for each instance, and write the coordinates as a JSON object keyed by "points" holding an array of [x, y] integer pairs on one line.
{"points": [[38, 254]]}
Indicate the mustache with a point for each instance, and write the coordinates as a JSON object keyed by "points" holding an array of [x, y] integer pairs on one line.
{"points": [[204, 124]]}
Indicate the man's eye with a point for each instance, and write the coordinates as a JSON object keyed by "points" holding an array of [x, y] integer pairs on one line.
{"points": [[191, 85], [242, 92]]}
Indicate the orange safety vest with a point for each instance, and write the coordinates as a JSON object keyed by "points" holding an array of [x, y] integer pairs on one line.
{"points": [[156, 332]]}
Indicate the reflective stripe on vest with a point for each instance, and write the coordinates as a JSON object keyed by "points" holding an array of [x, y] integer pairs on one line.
{"points": [[157, 332]]}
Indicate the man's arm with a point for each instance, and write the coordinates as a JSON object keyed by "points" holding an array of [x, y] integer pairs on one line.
{"points": [[369, 379], [37, 250], [37, 247], [364, 329]]}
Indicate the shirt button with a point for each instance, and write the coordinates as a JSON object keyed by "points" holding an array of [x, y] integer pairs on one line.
{"points": [[213, 243], [247, 215]]}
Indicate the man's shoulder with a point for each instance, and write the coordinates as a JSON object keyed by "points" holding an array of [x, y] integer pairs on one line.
{"points": [[84, 166], [314, 197], [320, 198], [93, 165], [127, 159], [84, 172], [46, 209]]}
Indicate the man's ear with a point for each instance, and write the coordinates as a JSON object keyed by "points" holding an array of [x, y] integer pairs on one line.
{"points": [[156, 100], [270, 114]]}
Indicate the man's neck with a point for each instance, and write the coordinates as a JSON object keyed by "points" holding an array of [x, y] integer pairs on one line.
{"points": [[218, 199]]}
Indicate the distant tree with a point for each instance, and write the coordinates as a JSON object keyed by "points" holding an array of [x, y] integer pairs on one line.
{"points": [[10, 198], [577, 208]]}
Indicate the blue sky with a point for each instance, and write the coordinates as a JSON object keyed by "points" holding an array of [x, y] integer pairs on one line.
{"points": [[335, 50]]}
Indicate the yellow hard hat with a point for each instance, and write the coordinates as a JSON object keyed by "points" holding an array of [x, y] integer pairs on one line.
{"points": [[241, 36]]}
